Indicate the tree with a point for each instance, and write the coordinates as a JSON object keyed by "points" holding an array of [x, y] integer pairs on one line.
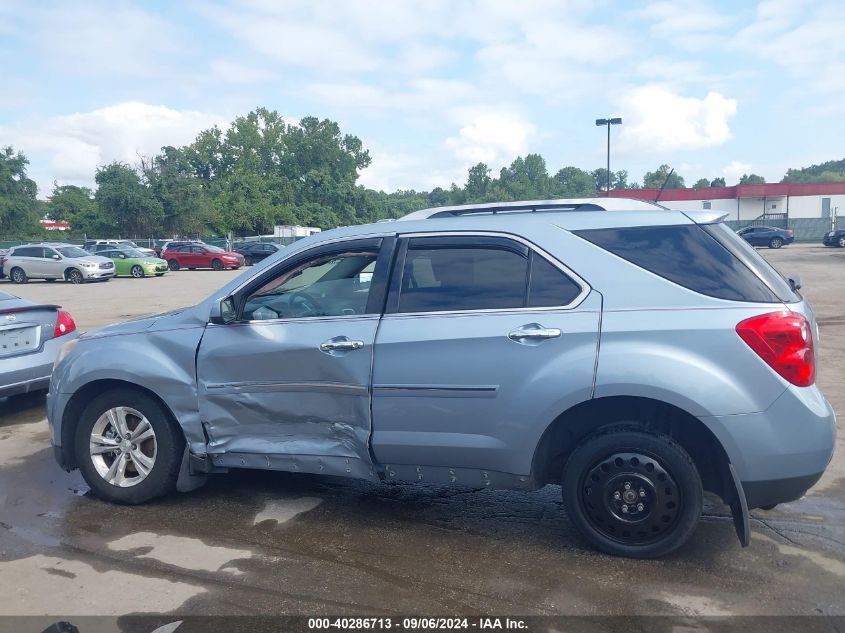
{"points": [[701, 183], [124, 203], [478, 179], [618, 179], [718, 182], [830, 171], [751, 179], [655, 179], [571, 182], [18, 203], [76, 206]]}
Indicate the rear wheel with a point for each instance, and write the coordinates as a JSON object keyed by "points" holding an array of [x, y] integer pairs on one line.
{"points": [[775, 242], [842, 241], [137, 272], [173, 264], [74, 276], [128, 447], [217, 264], [248, 261], [632, 493], [18, 276]]}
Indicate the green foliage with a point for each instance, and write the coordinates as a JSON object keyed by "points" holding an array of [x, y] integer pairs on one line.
{"points": [[701, 183], [618, 179], [830, 171], [718, 182], [751, 179], [19, 208], [571, 182], [124, 204], [655, 179]]}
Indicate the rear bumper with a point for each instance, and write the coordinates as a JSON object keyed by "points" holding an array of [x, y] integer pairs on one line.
{"points": [[779, 453], [31, 372]]}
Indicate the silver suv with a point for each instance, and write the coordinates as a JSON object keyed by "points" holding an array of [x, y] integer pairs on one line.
{"points": [[56, 260], [637, 358]]}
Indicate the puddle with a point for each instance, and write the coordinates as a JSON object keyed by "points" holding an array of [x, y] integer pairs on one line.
{"points": [[283, 510]]}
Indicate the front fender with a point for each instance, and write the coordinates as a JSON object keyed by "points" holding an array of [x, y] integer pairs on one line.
{"points": [[161, 361]]}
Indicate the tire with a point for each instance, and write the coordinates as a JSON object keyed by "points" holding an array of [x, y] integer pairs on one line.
{"points": [[74, 276], [666, 504], [137, 272], [248, 261], [18, 275], [173, 264], [217, 264], [841, 242], [163, 451], [775, 242]]}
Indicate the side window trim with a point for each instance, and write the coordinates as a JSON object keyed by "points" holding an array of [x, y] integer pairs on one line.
{"points": [[401, 251]]}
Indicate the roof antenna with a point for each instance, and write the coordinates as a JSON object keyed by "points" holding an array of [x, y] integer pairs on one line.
{"points": [[663, 186]]}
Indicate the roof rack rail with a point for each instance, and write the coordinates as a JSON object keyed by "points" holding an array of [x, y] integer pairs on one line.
{"points": [[533, 206]]}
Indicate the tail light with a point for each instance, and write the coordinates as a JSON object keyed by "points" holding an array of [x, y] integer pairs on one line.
{"points": [[64, 324], [784, 340]]}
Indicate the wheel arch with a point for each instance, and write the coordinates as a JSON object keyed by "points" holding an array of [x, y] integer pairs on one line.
{"points": [[83, 396], [569, 428]]}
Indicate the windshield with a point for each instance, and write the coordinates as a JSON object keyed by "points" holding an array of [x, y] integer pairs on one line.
{"points": [[73, 251], [128, 243]]}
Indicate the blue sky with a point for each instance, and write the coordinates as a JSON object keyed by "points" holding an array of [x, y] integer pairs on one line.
{"points": [[432, 87]]}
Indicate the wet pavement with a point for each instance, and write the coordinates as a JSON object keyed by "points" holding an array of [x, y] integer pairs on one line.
{"points": [[255, 542]]}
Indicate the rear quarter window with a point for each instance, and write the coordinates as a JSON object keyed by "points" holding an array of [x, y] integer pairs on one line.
{"points": [[687, 255]]}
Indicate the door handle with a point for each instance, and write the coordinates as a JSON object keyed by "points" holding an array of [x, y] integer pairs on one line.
{"points": [[534, 331], [341, 345]]}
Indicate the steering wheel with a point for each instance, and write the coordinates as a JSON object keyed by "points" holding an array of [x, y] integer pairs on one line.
{"points": [[303, 304]]}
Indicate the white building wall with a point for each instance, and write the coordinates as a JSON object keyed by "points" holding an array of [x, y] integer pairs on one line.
{"points": [[811, 206]]}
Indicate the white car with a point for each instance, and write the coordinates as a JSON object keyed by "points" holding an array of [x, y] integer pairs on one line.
{"points": [[55, 260]]}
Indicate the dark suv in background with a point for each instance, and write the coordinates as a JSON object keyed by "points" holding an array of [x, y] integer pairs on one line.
{"points": [[834, 238]]}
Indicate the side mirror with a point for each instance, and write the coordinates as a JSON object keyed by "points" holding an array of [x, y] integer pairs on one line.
{"points": [[57, 257], [794, 282], [222, 312]]}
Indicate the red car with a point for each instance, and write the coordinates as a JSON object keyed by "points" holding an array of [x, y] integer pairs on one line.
{"points": [[192, 256]]}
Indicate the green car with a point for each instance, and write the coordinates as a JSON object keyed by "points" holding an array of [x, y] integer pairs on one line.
{"points": [[132, 263]]}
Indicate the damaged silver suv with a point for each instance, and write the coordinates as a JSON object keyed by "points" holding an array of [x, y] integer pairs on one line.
{"points": [[635, 355]]}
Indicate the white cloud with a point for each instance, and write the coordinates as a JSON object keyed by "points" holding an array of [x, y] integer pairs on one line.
{"points": [[687, 24], [69, 148], [734, 170], [393, 170], [655, 119], [491, 138], [236, 73]]}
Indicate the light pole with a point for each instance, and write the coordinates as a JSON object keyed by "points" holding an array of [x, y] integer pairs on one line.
{"points": [[608, 123]]}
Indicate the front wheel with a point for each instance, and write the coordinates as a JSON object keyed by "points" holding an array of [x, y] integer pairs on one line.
{"points": [[776, 242], [172, 264], [127, 447], [841, 242], [217, 264], [137, 272], [631, 492], [74, 276]]}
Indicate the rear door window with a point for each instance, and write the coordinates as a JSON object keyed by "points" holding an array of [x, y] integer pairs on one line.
{"points": [[549, 285], [689, 256]]}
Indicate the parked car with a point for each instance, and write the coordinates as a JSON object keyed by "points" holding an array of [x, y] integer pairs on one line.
{"points": [[767, 236], [3, 253], [257, 251], [192, 256], [30, 338], [159, 249], [832, 238], [55, 260], [636, 358], [97, 246], [132, 263]]}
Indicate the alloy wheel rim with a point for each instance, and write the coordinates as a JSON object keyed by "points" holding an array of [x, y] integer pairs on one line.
{"points": [[136, 271], [123, 447], [631, 498], [75, 277]]}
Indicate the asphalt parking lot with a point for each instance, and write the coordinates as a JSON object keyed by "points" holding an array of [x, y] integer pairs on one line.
{"points": [[274, 543]]}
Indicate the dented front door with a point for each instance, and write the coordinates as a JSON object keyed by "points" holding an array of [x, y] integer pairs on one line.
{"points": [[286, 387]]}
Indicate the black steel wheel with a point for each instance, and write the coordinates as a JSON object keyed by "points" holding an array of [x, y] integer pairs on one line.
{"points": [[632, 493], [173, 264], [217, 264]]}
